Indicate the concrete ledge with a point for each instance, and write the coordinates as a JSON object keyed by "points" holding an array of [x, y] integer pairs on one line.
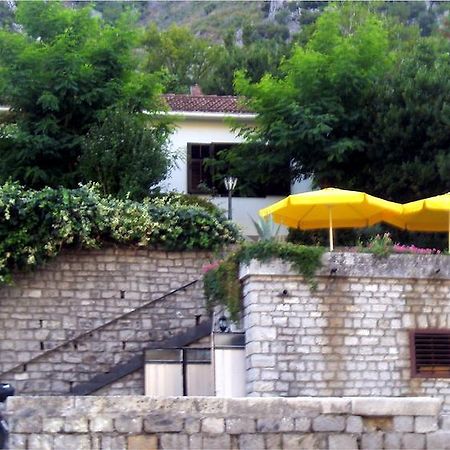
{"points": [[365, 265], [389, 406], [209, 422], [244, 407]]}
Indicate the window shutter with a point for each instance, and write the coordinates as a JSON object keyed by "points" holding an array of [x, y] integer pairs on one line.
{"points": [[430, 353]]}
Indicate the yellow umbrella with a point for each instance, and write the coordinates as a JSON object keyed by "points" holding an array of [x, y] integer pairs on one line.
{"points": [[332, 208], [429, 214]]}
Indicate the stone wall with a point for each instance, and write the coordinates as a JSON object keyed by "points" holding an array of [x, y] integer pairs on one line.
{"points": [[138, 423], [350, 335], [81, 290]]}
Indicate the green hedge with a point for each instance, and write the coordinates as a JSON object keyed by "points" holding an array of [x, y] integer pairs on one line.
{"points": [[36, 225]]}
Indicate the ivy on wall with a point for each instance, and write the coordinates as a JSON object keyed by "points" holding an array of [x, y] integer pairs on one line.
{"points": [[221, 280], [36, 224]]}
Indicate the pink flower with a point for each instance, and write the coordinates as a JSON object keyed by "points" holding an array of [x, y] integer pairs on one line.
{"points": [[211, 266], [415, 250]]}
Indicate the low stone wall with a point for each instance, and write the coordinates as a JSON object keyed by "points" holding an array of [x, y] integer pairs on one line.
{"points": [[138, 423], [350, 335], [80, 290]]}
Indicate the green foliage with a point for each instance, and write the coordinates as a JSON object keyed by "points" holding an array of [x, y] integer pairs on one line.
{"points": [[222, 287], [310, 117], [209, 19], [177, 199], [111, 12], [266, 228], [124, 155], [381, 245], [222, 284], [187, 59], [184, 57], [35, 225], [60, 73], [357, 106], [407, 126]]}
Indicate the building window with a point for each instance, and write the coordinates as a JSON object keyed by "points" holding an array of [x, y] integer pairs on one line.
{"points": [[200, 176], [430, 353], [204, 179]]}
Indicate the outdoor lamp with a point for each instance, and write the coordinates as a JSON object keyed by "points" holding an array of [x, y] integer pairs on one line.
{"points": [[230, 185], [223, 324]]}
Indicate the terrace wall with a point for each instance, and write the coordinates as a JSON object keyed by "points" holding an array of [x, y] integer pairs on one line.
{"points": [[350, 335], [138, 423], [81, 290]]}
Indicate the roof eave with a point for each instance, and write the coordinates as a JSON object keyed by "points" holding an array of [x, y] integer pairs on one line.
{"points": [[200, 115]]}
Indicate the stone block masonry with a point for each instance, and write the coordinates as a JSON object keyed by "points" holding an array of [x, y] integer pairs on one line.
{"points": [[81, 290], [196, 423], [350, 335]]}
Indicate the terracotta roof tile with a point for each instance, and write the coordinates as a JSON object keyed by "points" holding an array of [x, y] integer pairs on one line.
{"points": [[205, 103]]}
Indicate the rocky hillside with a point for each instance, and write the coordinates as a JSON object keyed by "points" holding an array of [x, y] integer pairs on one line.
{"points": [[215, 19]]}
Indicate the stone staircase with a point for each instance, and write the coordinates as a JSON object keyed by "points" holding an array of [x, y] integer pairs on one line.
{"points": [[136, 363], [114, 350]]}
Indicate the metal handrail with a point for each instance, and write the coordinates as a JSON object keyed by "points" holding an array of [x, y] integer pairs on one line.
{"points": [[93, 330]]}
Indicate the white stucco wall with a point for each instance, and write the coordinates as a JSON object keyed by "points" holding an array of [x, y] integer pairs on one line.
{"points": [[245, 209], [208, 128], [194, 130]]}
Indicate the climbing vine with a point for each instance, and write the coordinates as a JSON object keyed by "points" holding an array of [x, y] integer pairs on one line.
{"points": [[221, 280]]}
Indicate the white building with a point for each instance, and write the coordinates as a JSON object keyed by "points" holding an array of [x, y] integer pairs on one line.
{"points": [[203, 128]]}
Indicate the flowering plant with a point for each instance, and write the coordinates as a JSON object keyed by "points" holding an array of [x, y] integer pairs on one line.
{"points": [[36, 225], [398, 248], [211, 266], [381, 244]]}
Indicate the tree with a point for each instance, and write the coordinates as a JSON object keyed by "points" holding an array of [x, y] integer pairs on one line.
{"points": [[355, 110], [261, 52], [310, 118], [187, 59], [408, 127], [180, 54], [125, 155], [59, 73]]}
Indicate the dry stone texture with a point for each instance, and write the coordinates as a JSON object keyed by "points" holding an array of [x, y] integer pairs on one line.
{"points": [[81, 290], [350, 335], [196, 423]]}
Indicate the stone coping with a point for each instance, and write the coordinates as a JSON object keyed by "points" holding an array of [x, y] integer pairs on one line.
{"points": [[361, 265], [236, 407]]}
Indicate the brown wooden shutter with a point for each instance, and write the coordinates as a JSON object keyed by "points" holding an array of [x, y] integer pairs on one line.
{"points": [[430, 353]]}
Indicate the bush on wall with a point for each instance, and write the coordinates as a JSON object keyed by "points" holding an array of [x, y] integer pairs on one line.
{"points": [[221, 280], [36, 225]]}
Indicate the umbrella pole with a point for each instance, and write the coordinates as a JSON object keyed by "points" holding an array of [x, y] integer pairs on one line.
{"points": [[330, 220]]}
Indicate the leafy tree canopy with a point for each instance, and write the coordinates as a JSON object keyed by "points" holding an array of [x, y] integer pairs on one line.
{"points": [[355, 108], [184, 57], [60, 72], [188, 60], [308, 116], [124, 155]]}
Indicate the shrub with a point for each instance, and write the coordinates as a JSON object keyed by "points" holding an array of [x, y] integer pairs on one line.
{"points": [[221, 280], [35, 225], [177, 199]]}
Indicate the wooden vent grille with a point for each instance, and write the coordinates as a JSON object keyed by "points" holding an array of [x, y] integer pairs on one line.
{"points": [[430, 353]]}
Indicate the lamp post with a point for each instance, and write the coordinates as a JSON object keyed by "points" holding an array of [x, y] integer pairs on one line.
{"points": [[230, 185], [223, 324]]}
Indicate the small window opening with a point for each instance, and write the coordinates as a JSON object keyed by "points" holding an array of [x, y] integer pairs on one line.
{"points": [[430, 353]]}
